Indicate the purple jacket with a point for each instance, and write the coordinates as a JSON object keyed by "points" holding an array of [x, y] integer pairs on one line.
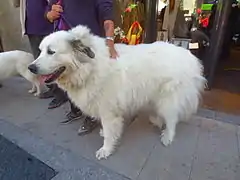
{"points": [[35, 22], [91, 13]]}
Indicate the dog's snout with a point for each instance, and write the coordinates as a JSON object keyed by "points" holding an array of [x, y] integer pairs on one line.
{"points": [[33, 68]]}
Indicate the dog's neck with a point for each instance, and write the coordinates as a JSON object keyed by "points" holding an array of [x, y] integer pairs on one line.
{"points": [[73, 79], [84, 84]]}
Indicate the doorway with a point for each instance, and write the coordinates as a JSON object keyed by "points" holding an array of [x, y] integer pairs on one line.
{"points": [[1, 46], [222, 62]]}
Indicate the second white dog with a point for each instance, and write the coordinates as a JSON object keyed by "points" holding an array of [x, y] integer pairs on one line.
{"points": [[160, 76], [13, 63]]}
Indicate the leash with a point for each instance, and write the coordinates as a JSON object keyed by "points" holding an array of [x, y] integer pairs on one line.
{"points": [[62, 20]]}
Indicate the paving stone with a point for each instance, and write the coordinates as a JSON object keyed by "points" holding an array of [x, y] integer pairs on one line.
{"points": [[89, 173], [17, 103], [228, 118], [173, 162], [216, 157], [67, 164], [136, 146], [195, 121], [206, 113]]}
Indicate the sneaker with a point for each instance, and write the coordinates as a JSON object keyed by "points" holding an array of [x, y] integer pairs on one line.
{"points": [[46, 95], [71, 116], [89, 124], [55, 103]]}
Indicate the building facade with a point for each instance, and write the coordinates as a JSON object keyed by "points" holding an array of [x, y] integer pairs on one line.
{"points": [[10, 30]]}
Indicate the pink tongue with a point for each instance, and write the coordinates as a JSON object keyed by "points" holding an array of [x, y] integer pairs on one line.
{"points": [[43, 78]]}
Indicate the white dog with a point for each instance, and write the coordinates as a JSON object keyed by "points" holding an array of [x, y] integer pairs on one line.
{"points": [[13, 63], [160, 76]]}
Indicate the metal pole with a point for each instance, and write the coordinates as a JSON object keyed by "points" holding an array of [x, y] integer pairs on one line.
{"points": [[217, 39], [151, 8]]}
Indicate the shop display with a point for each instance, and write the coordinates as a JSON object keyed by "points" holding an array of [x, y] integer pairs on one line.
{"points": [[130, 31]]}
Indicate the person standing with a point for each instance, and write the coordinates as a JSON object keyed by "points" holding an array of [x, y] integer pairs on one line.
{"points": [[97, 15], [33, 21], [35, 25]]}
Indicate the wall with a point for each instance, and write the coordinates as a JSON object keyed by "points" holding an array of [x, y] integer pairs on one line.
{"points": [[10, 29]]}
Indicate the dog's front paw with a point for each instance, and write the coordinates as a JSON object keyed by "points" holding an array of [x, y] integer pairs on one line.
{"points": [[31, 91], [37, 94], [165, 138], [103, 153], [101, 133]]}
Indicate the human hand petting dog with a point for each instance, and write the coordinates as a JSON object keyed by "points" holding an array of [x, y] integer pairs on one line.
{"points": [[55, 12], [112, 50], [109, 33]]}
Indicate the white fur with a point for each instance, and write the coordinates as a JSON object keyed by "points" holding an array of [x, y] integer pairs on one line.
{"points": [[13, 63], [162, 77]]}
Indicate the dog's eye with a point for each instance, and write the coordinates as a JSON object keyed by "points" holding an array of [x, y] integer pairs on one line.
{"points": [[50, 52]]}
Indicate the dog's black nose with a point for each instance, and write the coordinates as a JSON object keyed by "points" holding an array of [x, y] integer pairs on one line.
{"points": [[33, 68]]}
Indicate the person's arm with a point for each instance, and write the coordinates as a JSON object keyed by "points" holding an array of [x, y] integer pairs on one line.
{"points": [[105, 9]]}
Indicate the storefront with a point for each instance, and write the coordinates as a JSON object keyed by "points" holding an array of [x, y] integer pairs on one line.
{"points": [[150, 20], [216, 23]]}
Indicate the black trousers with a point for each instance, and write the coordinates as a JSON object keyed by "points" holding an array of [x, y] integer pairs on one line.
{"points": [[59, 94], [35, 41]]}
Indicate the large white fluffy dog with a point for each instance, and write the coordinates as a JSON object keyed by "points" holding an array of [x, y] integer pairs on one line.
{"points": [[13, 63], [160, 76]]}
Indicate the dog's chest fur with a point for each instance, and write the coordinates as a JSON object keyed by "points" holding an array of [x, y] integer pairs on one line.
{"points": [[87, 97]]}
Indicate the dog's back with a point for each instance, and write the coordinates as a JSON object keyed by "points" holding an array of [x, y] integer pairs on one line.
{"points": [[14, 63]]}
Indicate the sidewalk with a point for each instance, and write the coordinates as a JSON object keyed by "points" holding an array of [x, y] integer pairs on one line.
{"points": [[204, 149]]}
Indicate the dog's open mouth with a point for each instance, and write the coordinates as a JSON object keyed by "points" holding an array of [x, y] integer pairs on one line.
{"points": [[53, 76]]}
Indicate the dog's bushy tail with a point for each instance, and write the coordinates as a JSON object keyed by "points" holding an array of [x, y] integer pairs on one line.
{"points": [[183, 98], [190, 97]]}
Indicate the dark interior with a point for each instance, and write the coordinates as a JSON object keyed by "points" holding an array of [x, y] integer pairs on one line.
{"points": [[225, 92]]}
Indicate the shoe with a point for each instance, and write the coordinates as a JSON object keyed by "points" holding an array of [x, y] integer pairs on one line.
{"points": [[46, 95], [55, 103], [71, 116], [90, 123]]}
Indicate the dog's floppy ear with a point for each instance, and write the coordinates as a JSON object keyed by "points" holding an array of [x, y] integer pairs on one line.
{"points": [[77, 45]]}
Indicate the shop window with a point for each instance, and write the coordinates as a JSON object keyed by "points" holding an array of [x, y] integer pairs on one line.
{"points": [[129, 21]]}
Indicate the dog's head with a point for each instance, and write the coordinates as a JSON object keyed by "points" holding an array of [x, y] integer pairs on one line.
{"points": [[62, 53]]}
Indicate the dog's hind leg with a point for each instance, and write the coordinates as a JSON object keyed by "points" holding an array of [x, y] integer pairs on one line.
{"points": [[156, 121], [112, 131], [169, 114], [168, 133]]}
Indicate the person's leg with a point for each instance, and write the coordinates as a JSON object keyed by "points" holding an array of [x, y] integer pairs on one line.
{"points": [[89, 124], [74, 114], [60, 97], [35, 41]]}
